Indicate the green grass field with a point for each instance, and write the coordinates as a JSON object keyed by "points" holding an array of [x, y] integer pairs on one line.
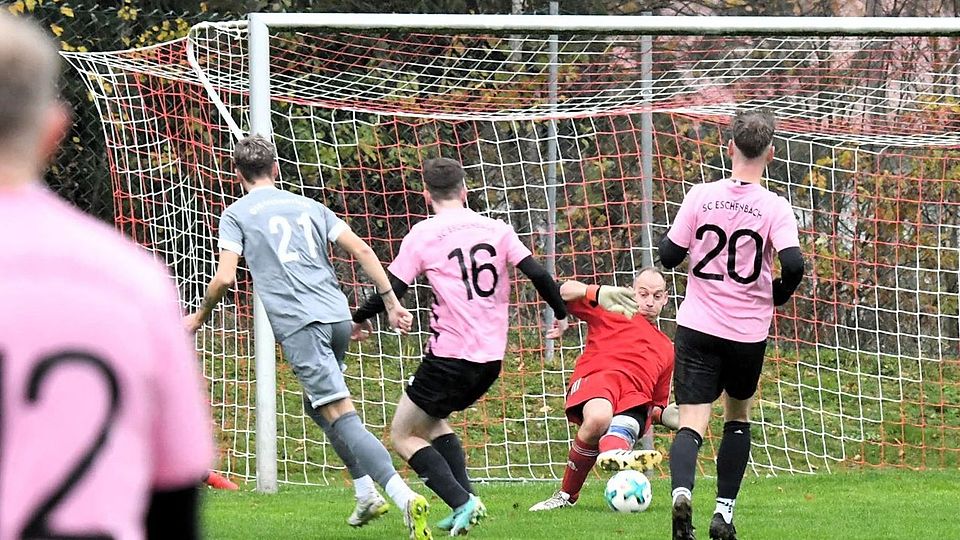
{"points": [[852, 505]]}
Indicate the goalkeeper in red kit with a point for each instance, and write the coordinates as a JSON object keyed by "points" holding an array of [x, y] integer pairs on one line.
{"points": [[621, 383]]}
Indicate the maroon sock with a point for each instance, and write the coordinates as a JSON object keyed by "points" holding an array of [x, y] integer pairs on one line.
{"points": [[580, 460]]}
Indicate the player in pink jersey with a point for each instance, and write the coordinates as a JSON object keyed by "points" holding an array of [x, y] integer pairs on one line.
{"points": [[731, 229], [104, 432], [465, 258]]}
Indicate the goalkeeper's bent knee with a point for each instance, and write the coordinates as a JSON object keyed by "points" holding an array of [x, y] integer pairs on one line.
{"points": [[626, 427]]}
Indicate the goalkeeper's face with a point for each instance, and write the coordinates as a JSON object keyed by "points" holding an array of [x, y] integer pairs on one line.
{"points": [[651, 293]]}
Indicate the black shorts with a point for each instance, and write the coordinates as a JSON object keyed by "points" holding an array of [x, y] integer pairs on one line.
{"points": [[707, 365], [444, 385]]}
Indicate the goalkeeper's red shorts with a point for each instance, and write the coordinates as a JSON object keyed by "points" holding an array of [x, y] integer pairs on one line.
{"points": [[613, 386]]}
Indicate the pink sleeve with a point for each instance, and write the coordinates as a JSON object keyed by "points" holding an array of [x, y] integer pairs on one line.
{"points": [[183, 449], [516, 250], [784, 232], [408, 264], [684, 223]]}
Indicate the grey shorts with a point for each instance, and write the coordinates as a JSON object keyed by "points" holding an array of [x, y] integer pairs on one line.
{"points": [[315, 353]]}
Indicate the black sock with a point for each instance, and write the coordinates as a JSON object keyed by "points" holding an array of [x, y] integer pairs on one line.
{"points": [[732, 458], [436, 474], [452, 451], [683, 458]]}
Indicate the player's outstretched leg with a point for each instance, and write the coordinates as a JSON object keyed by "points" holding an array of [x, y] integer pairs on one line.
{"points": [[412, 430], [374, 458], [596, 416], [370, 504], [683, 462], [732, 461], [616, 446]]}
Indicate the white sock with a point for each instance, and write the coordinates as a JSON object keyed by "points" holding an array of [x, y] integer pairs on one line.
{"points": [[363, 487], [725, 508], [682, 491], [399, 491]]}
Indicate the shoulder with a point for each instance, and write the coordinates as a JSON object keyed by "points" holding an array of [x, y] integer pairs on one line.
{"points": [[697, 190], [119, 262], [779, 202]]}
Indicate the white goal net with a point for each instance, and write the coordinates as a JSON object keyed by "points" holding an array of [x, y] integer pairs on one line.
{"points": [[862, 368]]}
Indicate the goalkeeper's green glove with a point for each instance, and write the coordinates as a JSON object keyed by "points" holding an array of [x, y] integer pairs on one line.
{"points": [[620, 300]]}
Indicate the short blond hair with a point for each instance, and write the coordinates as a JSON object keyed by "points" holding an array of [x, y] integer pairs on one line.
{"points": [[29, 69]]}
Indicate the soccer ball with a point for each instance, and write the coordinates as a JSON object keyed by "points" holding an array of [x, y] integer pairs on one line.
{"points": [[628, 491]]}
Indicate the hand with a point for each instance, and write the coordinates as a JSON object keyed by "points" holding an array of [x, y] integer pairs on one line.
{"points": [[192, 323], [780, 295], [360, 331], [401, 320], [620, 300], [559, 327]]}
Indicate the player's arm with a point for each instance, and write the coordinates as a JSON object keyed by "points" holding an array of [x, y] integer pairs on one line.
{"points": [[791, 274], [400, 318], [615, 299], [374, 305], [671, 255], [545, 285], [786, 240], [222, 281], [675, 243]]}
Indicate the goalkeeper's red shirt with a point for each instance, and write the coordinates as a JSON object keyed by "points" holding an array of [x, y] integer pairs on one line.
{"points": [[633, 349]]}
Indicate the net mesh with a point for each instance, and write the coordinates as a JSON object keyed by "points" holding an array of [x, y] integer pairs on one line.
{"points": [[862, 368]]}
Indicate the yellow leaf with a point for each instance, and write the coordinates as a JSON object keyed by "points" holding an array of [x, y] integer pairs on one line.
{"points": [[66, 11], [16, 8], [31, 4], [56, 29]]}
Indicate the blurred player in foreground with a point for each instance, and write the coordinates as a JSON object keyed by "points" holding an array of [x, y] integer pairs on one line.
{"points": [[284, 237], [104, 432], [731, 229], [621, 384], [465, 257]]}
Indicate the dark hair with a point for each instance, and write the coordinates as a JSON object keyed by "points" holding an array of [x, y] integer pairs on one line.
{"points": [[254, 157], [753, 132], [443, 178]]}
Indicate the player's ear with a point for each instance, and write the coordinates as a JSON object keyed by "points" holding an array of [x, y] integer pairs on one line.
{"points": [[275, 170], [56, 122], [427, 197], [730, 148], [770, 153], [463, 194]]}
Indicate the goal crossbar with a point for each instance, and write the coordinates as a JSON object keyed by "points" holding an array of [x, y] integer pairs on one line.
{"points": [[602, 24]]}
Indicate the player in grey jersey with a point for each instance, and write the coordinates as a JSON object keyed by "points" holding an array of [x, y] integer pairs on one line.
{"points": [[283, 238]]}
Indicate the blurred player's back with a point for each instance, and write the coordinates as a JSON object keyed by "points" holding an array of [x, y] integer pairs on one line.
{"points": [[101, 410], [100, 400]]}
